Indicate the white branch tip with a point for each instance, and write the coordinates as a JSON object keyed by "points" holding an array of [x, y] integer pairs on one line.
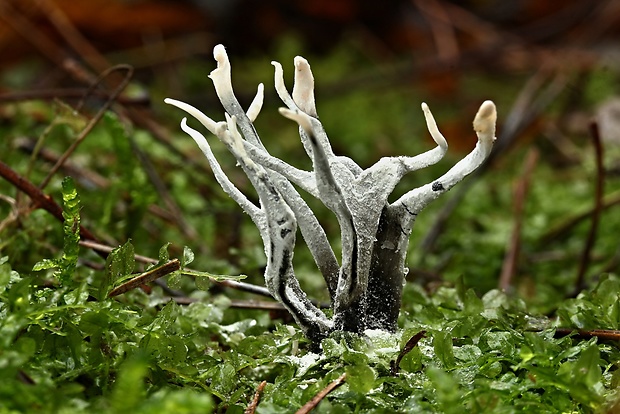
{"points": [[207, 122], [281, 87], [432, 127], [303, 89], [221, 76], [219, 53], [257, 103], [484, 122], [301, 118]]}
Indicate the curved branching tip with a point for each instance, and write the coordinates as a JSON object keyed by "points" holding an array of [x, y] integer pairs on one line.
{"points": [[257, 103], [219, 53], [182, 106], [287, 113], [303, 88], [195, 135], [171, 101], [302, 119], [284, 95], [189, 130], [300, 61], [207, 122], [221, 74], [432, 127], [487, 109], [484, 122]]}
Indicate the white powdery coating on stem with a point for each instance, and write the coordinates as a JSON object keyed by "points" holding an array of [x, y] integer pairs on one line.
{"points": [[484, 126], [304, 179], [357, 197], [311, 230], [305, 362], [233, 139], [228, 187], [351, 283]]}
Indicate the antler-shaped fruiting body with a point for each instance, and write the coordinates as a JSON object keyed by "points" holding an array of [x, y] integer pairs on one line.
{"points": [[366, 285]]}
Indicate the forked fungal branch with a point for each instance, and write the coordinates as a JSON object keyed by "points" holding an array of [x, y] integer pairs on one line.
{"points": [[366, 285]]}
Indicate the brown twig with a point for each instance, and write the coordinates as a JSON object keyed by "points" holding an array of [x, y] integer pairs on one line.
{"points": [[25, 378], [88, 178], [411, 343], [25, 28], [72, 36], [257, 305], [584, 263], [56, 54], [81, 45], [252, 304], [509, 266], [311, 405], [163, 192], [537, 93], [99, 247], [69, 93], [146, 277], [566, 224], [91, 124], [40, 199], [441, 27], [140, 116], [259, 391], [246, 287], [610, 334]]}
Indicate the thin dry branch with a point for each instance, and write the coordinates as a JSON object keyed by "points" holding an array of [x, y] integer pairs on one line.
{"points": [[411, 343], [246, 287], [608, 334], [584, 263], [311, 405], [40, 199], [146, 277], [509, 267], [56, 16], [97, 61], [566, 224], [56, 54], [91, 124], [22, 25], [441, 27], [90, 55], [45, 202], [259, 391], [69, 93]]}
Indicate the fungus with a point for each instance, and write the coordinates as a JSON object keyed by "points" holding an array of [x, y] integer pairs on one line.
{"points": [[365, 287]]}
